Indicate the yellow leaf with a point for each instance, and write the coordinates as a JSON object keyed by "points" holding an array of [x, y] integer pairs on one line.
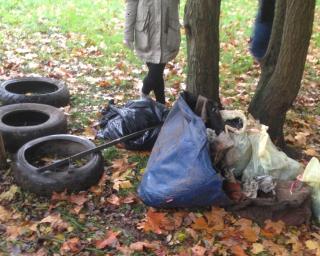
{"points": [[10, 194], [257, 248], [312, 245]]}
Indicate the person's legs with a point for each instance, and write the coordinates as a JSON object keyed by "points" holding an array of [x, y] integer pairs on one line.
{"points": [[154, 81]]}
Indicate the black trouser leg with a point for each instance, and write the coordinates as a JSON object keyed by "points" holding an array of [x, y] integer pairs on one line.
{"points": [[154, 81]]}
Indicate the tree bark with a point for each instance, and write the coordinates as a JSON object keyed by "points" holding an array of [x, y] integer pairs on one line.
{"points": [[283, 71], [202, 31]]}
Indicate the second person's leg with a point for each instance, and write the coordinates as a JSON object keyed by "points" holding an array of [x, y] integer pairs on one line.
{"points": [[154, 81]]}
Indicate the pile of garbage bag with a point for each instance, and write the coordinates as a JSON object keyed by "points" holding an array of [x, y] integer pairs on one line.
{"points": [[205, 156]]}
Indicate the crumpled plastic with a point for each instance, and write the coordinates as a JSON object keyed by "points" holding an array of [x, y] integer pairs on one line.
{"points": [[134, 116], [238, 156], [311, 176], [265, 183], [266, 159]]}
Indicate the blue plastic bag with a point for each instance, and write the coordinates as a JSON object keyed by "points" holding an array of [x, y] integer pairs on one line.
{"points": [[179, 172]]}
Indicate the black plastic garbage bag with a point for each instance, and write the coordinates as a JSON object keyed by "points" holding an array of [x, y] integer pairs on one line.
{"points": [[179, 172], [134, 116]]}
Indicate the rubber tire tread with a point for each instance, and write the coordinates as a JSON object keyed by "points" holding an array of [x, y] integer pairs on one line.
{"points": [[15, 136], [58, 98], [43, 184]]}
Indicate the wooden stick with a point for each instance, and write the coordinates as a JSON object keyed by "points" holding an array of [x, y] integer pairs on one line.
{"points": [[3, 158]]}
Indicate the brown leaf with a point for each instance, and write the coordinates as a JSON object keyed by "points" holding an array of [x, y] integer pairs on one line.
{"points": [[98, 189], [12, 232], [251, 234], [274, 248], [72, 245], [154, 222], [140, 246], [216, 219], [110, 240], [198, 250], [301, 138], [41, 252], [311, 152], [56, 222], [274, 228], [129, 199], [90, 133], [200, 224], [113, 199], [238, 251], [4, 215], [104, 83], [78, 199], [122, 165]]}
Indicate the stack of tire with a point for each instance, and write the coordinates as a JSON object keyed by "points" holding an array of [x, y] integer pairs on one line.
{"points": [[32, 123]]}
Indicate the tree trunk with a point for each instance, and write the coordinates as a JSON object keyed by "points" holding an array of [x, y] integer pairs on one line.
{"points": [[202, 31], [282, 72]]}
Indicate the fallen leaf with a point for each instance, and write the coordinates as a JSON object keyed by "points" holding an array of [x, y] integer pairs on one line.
{"points": [[274, 228], [113, 199], [78, 199], [313, 246], [90, 133], [274, 248], [56, 222], [257, 248], [41, 252], [129, 199], [72, 245], [121, 184], [250, 233], [154, 222], [200, 224], [4, 215], [122, 165], [12, 232], [10, 194], [99, 188], [311, 152], [198, 250], [140, 246], [216, 219], [301, 138], [238, 251], [110, 240]]}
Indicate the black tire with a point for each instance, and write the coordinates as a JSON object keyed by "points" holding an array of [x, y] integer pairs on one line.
{"points": [[70, 179], [34, 90], [20, 123]]}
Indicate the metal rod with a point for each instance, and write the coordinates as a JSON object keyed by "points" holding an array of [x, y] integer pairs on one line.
{"points": [[3, 158], [96, 149]]}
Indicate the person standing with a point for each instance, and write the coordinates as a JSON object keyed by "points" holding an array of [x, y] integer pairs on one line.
{"points": [[262, 29], [152, 29]]}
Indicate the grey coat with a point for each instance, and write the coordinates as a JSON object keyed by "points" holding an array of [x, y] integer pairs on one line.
{"points": [[153, 26]]}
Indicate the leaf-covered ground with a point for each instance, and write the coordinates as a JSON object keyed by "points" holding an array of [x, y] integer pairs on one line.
{"points": [[80, 42]]}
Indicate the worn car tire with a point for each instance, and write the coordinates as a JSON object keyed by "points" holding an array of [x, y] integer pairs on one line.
{"points": [[34, 90], [20, 123], [71, 179]]}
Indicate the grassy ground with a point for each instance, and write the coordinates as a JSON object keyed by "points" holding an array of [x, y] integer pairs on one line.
{"points": [[80, 42]]}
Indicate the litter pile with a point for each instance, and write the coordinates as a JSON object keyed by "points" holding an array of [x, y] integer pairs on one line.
{"points": [[204, 156]]}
